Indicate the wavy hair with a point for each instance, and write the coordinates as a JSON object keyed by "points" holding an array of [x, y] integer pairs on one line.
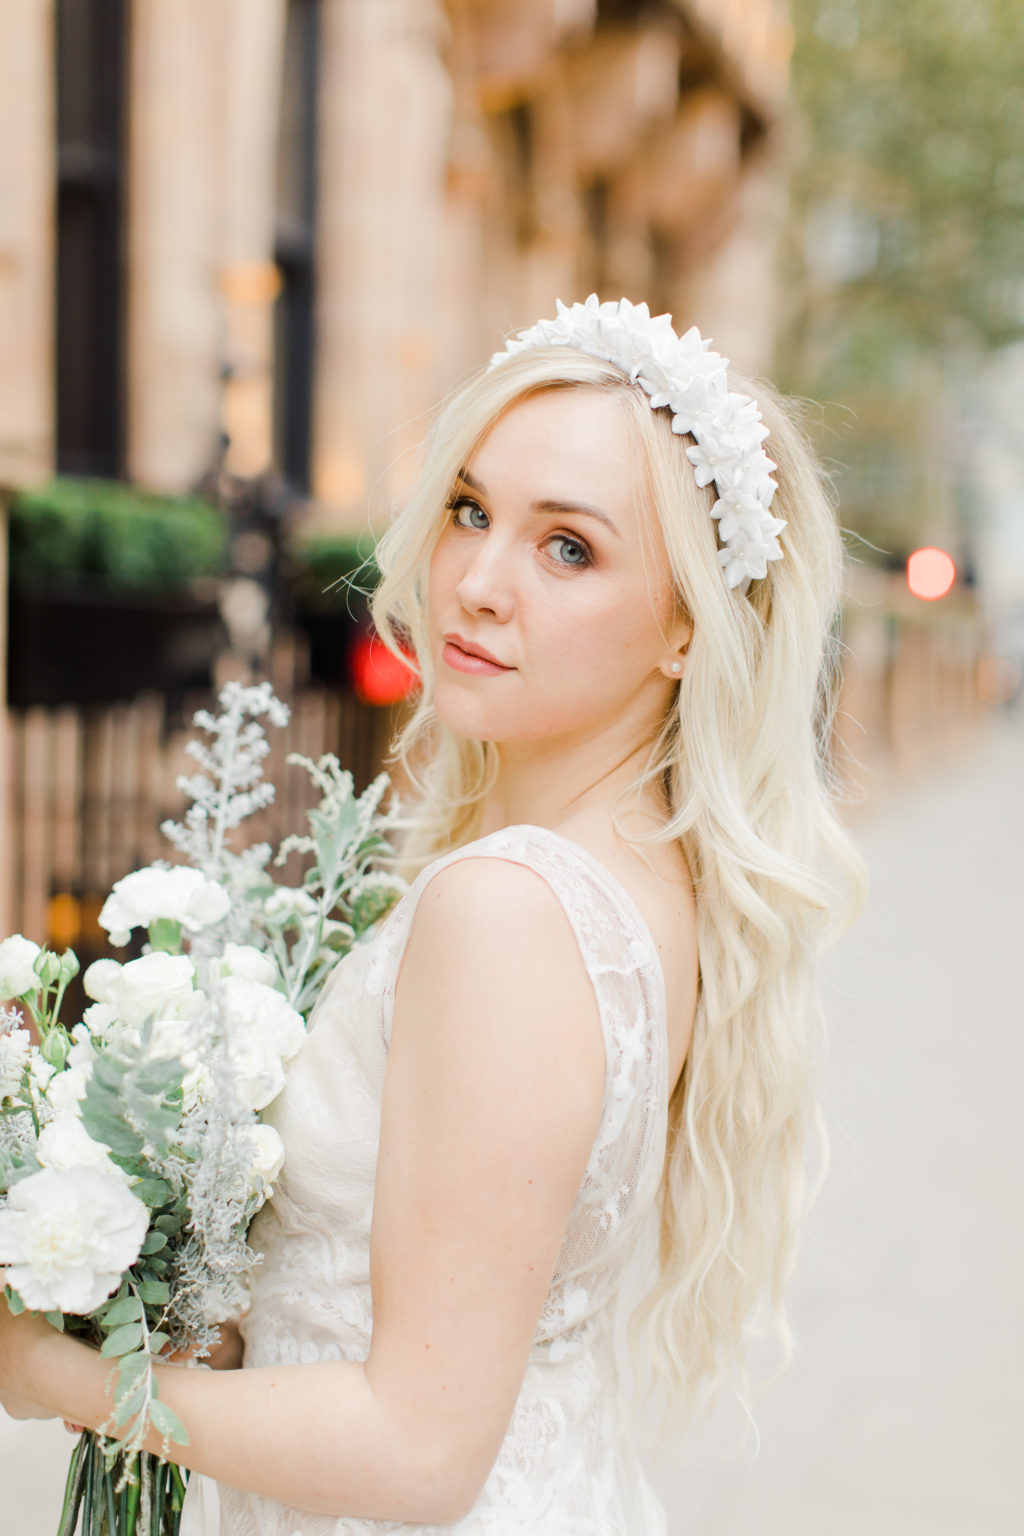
{"points": [[743, 761]]}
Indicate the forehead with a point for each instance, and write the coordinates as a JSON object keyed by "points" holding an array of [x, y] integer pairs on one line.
{"points": [[573, 443]]}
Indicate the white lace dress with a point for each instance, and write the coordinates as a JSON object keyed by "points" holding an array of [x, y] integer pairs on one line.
{"points": [[567, 1466]]}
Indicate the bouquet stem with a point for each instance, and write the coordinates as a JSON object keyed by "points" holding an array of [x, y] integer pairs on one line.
{"points": [[100, 1500]]}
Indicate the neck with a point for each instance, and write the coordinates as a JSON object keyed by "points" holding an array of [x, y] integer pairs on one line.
{"points": [[548, 784]]}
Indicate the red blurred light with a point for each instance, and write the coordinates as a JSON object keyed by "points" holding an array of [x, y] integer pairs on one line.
{"points": [[378, 676], [930, 573]]}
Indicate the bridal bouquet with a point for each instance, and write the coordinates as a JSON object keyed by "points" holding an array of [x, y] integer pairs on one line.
{"points": [[132, 1157]]}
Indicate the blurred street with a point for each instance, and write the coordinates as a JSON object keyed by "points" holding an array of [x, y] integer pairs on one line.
{"points": [[904, 1412]]}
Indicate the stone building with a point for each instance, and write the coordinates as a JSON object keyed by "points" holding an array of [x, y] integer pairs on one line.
{"points": [[299, 221], [291, 225]]}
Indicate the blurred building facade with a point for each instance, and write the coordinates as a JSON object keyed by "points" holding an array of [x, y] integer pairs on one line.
{"points": [[297, 222]]}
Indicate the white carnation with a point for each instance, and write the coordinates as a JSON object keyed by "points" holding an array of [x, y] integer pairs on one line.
{"points": [[180, 895], [67, 1235], [249, 964], [17, 961], [15, 1050]]}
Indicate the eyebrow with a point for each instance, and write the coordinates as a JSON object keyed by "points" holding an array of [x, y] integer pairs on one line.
{"points": [[581, 508]]}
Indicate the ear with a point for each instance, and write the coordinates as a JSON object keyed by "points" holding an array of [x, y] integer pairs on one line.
{"points": [[678, 639]]}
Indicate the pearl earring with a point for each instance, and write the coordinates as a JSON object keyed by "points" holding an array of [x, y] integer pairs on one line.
{"points": [[676, 666]]}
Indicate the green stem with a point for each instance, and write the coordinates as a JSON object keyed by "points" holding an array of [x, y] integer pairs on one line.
{"points": [[73, 1489], [108, 1489], [134, 1490], [91, 1527]]}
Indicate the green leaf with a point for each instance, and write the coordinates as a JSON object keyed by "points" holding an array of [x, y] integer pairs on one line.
{"points": [[154, 1241], [130, 1369], [169, 1224], [55, 1320], [107, 1074], [157, 1340], [156, 1266], [127, 1310], [126, 1404], [155, 1292], [123, 1340], [113, 1133], [14, 1302], [154, 1192], [167, 1423]]}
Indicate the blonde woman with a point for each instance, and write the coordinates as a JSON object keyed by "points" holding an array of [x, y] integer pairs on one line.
{"points": [[595, 1007]]}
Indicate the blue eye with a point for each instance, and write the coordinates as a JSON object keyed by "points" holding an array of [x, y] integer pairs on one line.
{"points": [[573, 551], [467, 513]]}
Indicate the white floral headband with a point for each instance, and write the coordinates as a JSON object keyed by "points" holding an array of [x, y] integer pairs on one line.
{"points": [[681, 372]]}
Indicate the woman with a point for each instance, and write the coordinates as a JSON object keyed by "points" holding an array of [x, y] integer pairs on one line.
{"points": [[593, 1005]]}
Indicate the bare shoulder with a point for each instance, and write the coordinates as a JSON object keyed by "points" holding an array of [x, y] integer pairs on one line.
{"points": [[490, 942]]}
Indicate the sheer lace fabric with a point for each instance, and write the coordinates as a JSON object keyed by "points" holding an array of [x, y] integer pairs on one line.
{"points": [[566, 1466]]}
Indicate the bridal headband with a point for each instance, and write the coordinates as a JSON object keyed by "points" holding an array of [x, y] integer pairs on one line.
{"points": [[682, 373]]}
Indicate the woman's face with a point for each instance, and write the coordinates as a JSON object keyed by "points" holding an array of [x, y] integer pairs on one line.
{"points": [[551, 607]]}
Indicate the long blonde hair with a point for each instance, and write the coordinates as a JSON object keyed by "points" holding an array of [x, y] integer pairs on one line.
{"points": [[743, 762]]}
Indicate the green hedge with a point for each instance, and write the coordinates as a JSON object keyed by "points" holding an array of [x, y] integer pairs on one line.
{"points": [[130, 539], [331, 572]]}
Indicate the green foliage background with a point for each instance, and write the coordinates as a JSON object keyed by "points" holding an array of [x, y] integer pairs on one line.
{"points": [[914, 122]]}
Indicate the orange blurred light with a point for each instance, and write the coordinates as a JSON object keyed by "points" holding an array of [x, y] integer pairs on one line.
{"points": [[930, 573]]}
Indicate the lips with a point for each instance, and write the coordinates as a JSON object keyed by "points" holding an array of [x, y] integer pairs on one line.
{"points": [[473, 660], [470, 649]]}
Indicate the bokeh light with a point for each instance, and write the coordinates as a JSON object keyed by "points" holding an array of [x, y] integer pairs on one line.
{"points": [[930, 573]]}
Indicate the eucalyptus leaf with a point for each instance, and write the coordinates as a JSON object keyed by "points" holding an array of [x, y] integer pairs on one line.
{"points": [[122, 1341], [166, 1422], [127, 1310], [155, 1292]]}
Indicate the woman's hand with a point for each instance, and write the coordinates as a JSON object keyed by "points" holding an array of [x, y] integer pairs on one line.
{"points": [[225, 1355], [16, 1336]]}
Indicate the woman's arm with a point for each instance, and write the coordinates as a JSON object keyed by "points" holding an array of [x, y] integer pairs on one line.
{"points": [[491, 1102]]}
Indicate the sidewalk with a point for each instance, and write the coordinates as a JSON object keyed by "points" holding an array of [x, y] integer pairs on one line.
{"points": [[904, 1412]]}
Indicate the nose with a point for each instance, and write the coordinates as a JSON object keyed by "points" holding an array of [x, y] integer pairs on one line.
{"points": [[485, 585]]}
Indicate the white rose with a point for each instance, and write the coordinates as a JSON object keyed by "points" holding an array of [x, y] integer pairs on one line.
{"points": [[263, 1149], [249, 964], [101, 979], [15, 1051], [65, 1143], [67, 1235], [263, 1031], [67, 1088], [17, 959], [158, 985], [180, 894]]}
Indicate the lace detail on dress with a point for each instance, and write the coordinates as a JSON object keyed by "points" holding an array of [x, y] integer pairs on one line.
{"points": [[565, 1468]]}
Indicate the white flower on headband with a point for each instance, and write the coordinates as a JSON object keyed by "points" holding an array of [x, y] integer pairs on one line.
{"points": [[682, 374]]}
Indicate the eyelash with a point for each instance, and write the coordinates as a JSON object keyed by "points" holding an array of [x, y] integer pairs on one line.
{"points": [[458, 502]]}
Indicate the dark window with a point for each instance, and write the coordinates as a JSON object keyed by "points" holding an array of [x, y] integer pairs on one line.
{"points": [[294, 249], [91, 43]]}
